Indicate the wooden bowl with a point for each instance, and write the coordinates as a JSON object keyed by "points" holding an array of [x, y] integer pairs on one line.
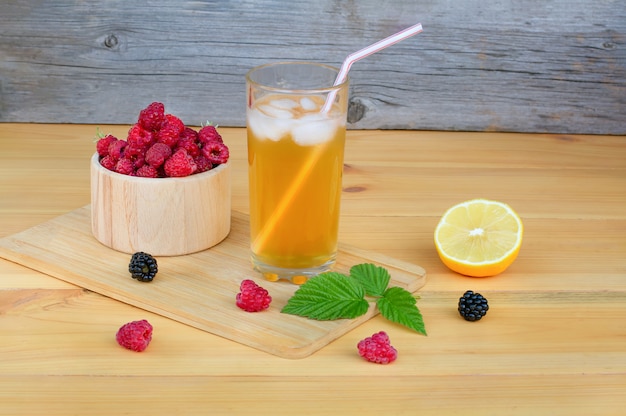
{"points": [[160, 216]]}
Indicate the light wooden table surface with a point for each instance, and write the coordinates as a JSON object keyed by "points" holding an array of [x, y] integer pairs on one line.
{"points": [[553, 342]]}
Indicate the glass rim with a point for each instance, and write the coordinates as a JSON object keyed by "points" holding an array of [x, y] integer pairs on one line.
{"points": [[321, 90]]}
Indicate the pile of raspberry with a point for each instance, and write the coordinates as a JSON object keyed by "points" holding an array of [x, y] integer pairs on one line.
{"points": [[159, 145]]}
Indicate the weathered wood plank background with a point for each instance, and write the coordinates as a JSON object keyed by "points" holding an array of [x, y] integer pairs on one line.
{"points": [[480, 65]]}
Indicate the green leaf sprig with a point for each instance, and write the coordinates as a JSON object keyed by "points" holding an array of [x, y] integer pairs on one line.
{"points": [[99, 135], [332, 295]]}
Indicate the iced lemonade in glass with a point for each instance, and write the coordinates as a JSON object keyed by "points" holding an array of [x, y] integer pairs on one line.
{"points": [[295, 160]]}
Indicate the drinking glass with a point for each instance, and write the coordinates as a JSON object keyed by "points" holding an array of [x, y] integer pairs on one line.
{"points": [[295, 165]]}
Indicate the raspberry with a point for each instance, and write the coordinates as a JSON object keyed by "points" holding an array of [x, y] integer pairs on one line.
{"points": [[190, 145], [108, 162], [473, 306], [135, 335], [102, 146], [116, 149], [252, 297], [189, 134], [377, 349], [180, 164], [152, 117], [202, 163], [170, 131], [216, 152], [143, 267], [132, 150], [168, 135], [147, 171], [125, 166], [139, 137], [157, 154], [175, 122], [135, 154], [139, 160], [208, 134]]}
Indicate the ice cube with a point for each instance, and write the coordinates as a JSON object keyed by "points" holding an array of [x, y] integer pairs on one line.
{"points": [[284, 103], [313, 117], [310, 133], [275, 112], [308, 104], [264, 127], [255, 123]]}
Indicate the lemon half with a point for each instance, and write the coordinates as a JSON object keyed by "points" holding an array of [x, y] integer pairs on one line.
{"points": [[479, 237]]}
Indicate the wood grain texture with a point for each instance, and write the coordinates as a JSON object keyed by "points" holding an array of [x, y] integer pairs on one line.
{"points": [[168, 217], [539, 66], [197, 289], [193, 395], [552, 343]]}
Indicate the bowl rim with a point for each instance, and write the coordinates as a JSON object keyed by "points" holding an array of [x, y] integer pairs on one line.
{"points": [[95, 162]]}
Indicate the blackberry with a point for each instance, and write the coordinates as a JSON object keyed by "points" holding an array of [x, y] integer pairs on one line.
{"points": [[143, 267], [473, 306]]}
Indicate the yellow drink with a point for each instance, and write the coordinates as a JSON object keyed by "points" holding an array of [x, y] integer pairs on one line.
{"points": [[295, 183], [295, 164]]}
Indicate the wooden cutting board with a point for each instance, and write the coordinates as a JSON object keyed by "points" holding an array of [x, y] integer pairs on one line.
{"points": [[197, 289]]}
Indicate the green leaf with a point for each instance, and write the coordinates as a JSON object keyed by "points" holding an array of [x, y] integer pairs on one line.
{"points": [[373, 278], [398, 305], [99, 134], [328, 296]]}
